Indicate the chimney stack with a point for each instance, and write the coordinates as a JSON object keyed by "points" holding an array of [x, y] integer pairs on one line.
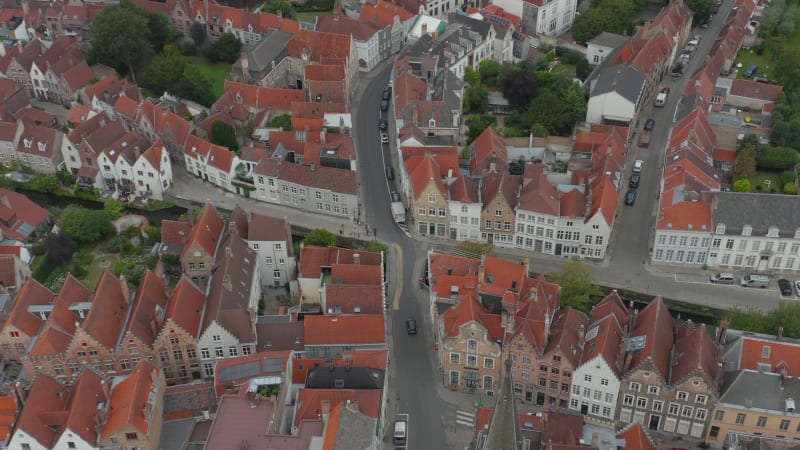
{"points": [[106, 389], [780, 333], [357, 258], [20, 394], [527, 264], [545, 413], [482, 269], [581, 333], [325, 407]]}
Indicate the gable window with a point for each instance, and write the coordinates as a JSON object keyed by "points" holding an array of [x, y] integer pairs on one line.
{"points": [[702, 399], [654, 390], [765, 351], [131, 436], [472, 345], [682, 395], [604, 381], [587, 378], [635, 386]]}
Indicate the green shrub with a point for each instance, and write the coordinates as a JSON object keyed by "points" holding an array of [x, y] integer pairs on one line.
{"points": [[790, 188], [788, 177], [79, 271]]}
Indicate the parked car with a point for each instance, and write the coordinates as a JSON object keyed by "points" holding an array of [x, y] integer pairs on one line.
{"points": [[751, 71], [395, 196], [383, 125], [630, 197], [384, 105], [384, 138], [797, 287], [665, 90], [638, 165], [785, 287], [635, 178], [722, 278], [386, 94], [704, 25], [389, 173], [411, 326], [649, 124]]}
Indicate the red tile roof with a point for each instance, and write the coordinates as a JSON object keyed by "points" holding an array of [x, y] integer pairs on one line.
{"points": [[367, 298], [108, 312], [695, 350], [341, 24], [32, 293], [604, 201], [39, 140], [345, 330], [309, 401], [565, 333], [318, 46], [447, 163], [185, 306], [497, 186], [383, 13], [655, 324], [636, 438], [149, 305], [408, 90], [427, 171], [44, 410], [79, 113], [538, 194], [565, 428], [783, 353], [373, 359], [82, 406], [207, 232], [313, 258], [175, 233], [610, 317], [755, 90], [131, 403], [685, 216], [9, 408], [463, 190], [489, 148], [336, 180], [468, 310], [332, 427], [258, 97], [23, 210], [442, 263]]}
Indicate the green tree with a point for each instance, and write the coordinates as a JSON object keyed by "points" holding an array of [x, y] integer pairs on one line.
{"points": [[198, 33], [476, 249], [702, 9], [228, 47], [577, 286], [321, 237], [520, 87], [194, 85], [164, 70], [741, 185], [790, 188], [59, 247], [472, 77], [583, 69], [120, 38], [224, 134], [113, 208], [285, 8], [283, 121], [85, 225], [477, 123], [476, 99], [574, 100], [489, 71], [786, 68], [552, 113], [776, 158], [44, 183], [153, 233]]}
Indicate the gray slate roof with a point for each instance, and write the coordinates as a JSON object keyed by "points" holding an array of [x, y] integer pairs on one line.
{"points": [[610, 40], [352, 378], [625, 80], [762, 390], [355, 430], [760, 211]]}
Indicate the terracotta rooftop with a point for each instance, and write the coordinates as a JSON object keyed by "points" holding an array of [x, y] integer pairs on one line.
{"points": [[373, 359], [468, 310], [185, 306], [32, 293], [565, 333], [280, 336], [148, 308], [361, 329], [309, 401], [314, 258], [655, 324], [207, 232], [355, 298], [131, 401], [271, 229], [636, 438], [174, 235], [694, 350], [383, 13], [87, 393]]}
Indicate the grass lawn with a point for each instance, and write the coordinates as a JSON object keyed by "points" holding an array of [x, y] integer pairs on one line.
{"points": [[566, 70], [311, 16], [774, 181], [217, 73], [96, 269], [747, 58]]}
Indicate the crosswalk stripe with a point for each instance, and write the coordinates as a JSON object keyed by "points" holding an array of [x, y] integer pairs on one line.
{"points": [[467, 424], [465, 414]]}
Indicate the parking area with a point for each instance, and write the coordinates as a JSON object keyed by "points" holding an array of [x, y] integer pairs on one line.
{"points": [[788, 289]]}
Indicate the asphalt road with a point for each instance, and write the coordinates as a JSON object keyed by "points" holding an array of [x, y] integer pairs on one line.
{"points": [[415, 383], [631, 240]]}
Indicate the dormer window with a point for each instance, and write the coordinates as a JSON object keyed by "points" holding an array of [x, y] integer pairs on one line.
{"points": [[42, 146], [747, 230], [431, 123], [28, 143], [720, 228], [773, 231]]}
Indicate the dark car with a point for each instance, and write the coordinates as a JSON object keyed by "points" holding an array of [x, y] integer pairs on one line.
{"points": [[649, 125], [386, 94], [785, 287], [630, 197], [389, 173], [383, 125], [395, 196], [384, 105], [411, 326], [635, 178], [750, 71]]}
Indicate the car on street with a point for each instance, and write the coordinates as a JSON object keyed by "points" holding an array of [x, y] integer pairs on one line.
{"points": [[649, 124], [386, 94], [384, 138], [630, 197], [395, 196], [638, 165], [635, 179], [785, 287], [797, 287], [383, 125], [722, 278], [389, 173], [665, 90], [384, 105], [411, 326]]}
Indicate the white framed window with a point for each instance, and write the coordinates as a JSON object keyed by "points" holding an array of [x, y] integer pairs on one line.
{"points": [[682, 395], [653, 390], [627, 400], [455, 358], [634, 386], [700, 398]]}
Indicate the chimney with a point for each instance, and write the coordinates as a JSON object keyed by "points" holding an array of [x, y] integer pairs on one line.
{"points": [[595, 439], [722, 331], [356, 258], [527, 264], [106, 389], [545, 413], [780, 333], [20, 394], [581, 333], [325, 407], [352, 405], [322, 136], [482, 269]]}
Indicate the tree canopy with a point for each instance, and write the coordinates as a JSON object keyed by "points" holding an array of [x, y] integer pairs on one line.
{"points": [[577, 286], [702, 10], [85, 225], [786, 315], [228, 47], [321, 237], [284, 7], [164, 70], [224, 134], [120, 37]]}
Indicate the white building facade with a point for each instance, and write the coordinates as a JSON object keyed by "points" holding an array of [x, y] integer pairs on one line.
{"points": [[465, 221], [595, 388]]}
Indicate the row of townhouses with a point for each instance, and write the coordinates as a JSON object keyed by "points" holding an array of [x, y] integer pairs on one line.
{"points": [[615, 367]]}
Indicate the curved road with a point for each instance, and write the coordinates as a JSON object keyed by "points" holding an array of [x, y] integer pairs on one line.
{"points": [[415, 382]]}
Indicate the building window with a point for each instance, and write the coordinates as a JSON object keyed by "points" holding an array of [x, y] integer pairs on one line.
{"points": [[652, 389], [587, 378], [233, 351], [635, 386], [218, 352], [674, 408], [658, 406], [488, 363], [740, 419], [702, 399], [700, 414], [454, 377], [682, 395], [784, 425], [208, 369], [719, 415], [472, 361], [204, 353], [627, 400], [641, 402], [472, 344], [765, 351], [762, 422], [455, 358], [687, 411]]}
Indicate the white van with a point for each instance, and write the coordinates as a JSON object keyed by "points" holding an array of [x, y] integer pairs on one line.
{"points": [[661, 99], [401, 430], [755, 280]]}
